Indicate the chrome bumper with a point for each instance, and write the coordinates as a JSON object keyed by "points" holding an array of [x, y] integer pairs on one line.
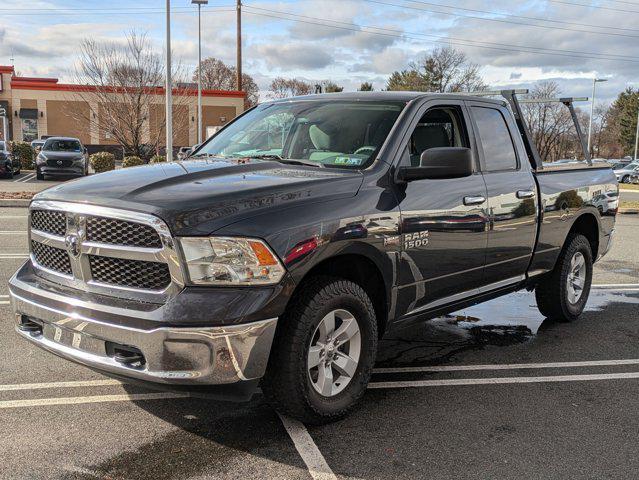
{"points": [[175, 356]]}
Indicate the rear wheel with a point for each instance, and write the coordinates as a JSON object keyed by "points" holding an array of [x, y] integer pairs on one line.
{"points": [[323, 353], [563, 294]]}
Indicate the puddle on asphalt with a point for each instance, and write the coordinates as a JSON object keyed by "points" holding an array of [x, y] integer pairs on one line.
{"points": [[504, 321]]}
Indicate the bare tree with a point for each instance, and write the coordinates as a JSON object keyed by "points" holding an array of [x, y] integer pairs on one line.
{"points": [[121, 90], [217, 75], [290, 87], [445, 69]]}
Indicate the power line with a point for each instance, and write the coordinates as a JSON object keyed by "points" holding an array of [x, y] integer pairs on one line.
{"points": [[541, 19], [438, 39], [485, 19], [108, 11], [593, 6]]}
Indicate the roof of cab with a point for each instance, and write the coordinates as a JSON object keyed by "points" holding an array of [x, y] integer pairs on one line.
{"points": [[399, 96]]}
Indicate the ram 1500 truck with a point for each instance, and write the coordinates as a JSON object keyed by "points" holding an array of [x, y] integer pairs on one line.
{"points": [[280, 252]]}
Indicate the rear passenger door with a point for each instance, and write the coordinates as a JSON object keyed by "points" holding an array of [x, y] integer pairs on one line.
{"points": [[512, 202]]}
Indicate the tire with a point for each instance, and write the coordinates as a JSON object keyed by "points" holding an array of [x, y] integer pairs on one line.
{"points": [[625, 179], [289, 384], [555, 298], [39, 175]]}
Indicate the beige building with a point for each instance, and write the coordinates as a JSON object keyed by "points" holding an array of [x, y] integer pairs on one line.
{"points": [[41, 107]]}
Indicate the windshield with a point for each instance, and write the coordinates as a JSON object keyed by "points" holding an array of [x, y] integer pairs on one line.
{"points": [[62, 146], [332, 133]]}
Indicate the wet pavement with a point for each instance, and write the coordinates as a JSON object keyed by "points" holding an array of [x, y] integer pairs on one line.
{"points": [[492, 391]]}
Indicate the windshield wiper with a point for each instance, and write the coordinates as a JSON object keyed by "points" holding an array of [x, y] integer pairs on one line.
{"points": [[288, 161]]}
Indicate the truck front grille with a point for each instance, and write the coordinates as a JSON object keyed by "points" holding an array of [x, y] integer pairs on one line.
{"points": [[119, 232], [49, 221], [52, 258], [104, 250], [130, 273]]}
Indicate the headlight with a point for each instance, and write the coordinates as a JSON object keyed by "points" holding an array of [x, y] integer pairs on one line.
{"points": [[230, 261]]}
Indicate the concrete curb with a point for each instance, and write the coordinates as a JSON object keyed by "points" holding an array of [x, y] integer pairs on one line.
{"points": [[628, 211], [14, 202]]}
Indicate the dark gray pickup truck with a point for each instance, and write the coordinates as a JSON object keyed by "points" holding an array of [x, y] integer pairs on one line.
{"points": [[292, 240]]}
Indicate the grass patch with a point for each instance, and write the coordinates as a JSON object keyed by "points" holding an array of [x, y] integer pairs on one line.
{"points": [[17, 195], [629, 204]]}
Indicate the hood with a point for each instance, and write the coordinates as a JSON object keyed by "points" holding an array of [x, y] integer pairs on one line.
{"points": [[197, 197]]}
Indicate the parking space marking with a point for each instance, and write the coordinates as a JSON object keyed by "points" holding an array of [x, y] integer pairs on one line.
{"points": [[13, 255], [605, 286], [508, 366], [14, 232], [308, 450], [504, 380], [73, 384], [38, 402], [29, 176], [14, 216]]}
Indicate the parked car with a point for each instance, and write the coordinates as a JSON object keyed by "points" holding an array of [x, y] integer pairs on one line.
{"points": [[9, 164], [62, 156], [634, 176], [323, 223], [623, 174], [37, 144], [607, 202]]}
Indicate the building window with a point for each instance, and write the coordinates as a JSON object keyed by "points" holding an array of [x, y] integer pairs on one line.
{"points": [[29, 129]]}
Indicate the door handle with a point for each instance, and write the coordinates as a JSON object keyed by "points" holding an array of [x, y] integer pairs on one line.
{"points": [[474, 200], [525, 193]]}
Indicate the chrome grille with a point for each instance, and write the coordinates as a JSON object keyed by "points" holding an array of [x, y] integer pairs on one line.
{"points": [[104, 250], [130, 273], [119, 232], [52, 258], [49, 221]]}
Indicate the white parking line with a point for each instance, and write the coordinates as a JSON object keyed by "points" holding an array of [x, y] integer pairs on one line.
{"points": [[26, 178], [306, 447], [508, 366], [74, 384], [38, 402], [504, 380], [4, 217], [616, 285], [13, 255], [13, 232], [4, 302]]}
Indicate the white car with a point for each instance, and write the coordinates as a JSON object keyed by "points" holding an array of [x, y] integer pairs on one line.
{"points": [[623, 174]]}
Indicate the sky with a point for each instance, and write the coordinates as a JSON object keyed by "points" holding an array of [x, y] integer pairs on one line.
{"points": [[516, 42]]}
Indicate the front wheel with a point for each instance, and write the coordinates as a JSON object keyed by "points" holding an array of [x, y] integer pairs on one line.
{"points": [[625, 179], [563, 294], [323, 353], [39, 174]]}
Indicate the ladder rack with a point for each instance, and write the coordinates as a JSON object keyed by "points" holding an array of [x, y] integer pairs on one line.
{"points": [[515, 105]]}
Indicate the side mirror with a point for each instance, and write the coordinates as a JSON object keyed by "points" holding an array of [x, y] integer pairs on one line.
{"points": [[439, 163]]}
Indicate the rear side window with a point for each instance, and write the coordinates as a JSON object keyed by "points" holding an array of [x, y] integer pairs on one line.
{"points": [[499, 151]]}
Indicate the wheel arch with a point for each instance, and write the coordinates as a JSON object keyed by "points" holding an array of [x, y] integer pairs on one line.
{"points": [[587, 224], [362, 268]]}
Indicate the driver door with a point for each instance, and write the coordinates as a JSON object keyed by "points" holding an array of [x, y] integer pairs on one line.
{"points": [[443, 221]]}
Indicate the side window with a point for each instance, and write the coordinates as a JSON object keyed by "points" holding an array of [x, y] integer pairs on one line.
{"points": [[439, 127], [499, 151]]}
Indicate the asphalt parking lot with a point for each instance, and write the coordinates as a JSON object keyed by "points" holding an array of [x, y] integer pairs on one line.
{"points": [[491, 392]]}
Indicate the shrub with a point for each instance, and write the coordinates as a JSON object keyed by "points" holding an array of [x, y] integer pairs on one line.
{"points": [[25, 153], [102, 162], [132, 161], [157, 159]]}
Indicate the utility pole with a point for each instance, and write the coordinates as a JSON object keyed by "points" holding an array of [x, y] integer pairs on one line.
{"points": [[592, 107], [239, 46], [637, 136], [199, 4], [168, 87]]}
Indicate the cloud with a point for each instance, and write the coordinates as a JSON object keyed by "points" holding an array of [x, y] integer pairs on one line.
{"points": [[303, 55]]}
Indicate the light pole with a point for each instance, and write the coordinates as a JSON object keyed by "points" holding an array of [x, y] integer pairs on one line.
{"points": [[199, 4], [169, 87], [592, 107]]}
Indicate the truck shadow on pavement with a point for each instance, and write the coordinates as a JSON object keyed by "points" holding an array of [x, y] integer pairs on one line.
{"points": [[230, 440]]}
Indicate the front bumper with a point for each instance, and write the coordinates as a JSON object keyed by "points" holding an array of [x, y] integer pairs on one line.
{"points": [[171, 355], [73, 170]]}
